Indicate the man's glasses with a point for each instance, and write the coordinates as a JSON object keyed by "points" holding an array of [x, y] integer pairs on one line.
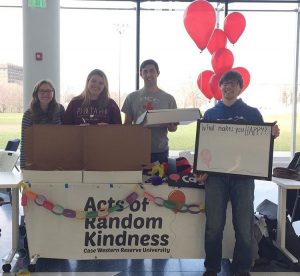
{"points": [[229, 83]]}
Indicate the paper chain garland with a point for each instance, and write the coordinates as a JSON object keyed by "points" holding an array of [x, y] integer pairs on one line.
{"points": [[57, 209]]}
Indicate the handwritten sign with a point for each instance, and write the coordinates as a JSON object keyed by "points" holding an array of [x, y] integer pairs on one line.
{"points": [[234, 148]]}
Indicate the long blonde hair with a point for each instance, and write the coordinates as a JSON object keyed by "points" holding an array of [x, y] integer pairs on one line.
{"points": [[103, 98]]}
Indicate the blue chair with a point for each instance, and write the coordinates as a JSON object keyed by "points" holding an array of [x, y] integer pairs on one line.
{"points": [[12, 145]]}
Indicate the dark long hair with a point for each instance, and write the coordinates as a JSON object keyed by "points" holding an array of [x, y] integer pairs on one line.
{"points": [[35, 106]]}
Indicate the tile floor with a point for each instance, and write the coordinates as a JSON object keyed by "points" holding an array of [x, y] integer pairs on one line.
{"points": [[146, 267]]}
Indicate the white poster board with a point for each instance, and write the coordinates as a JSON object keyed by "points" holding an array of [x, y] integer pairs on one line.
{"points": [[234, 148], [143, 230]]}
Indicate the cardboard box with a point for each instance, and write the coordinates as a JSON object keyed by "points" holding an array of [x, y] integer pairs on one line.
{"points": [[54, 147], [153, 118], [91, 177], [116, 148], [52, 176], [115, 177], [90, 148]]}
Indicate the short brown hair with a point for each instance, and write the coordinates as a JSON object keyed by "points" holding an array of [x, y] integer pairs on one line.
{"points": [[147, 62]]}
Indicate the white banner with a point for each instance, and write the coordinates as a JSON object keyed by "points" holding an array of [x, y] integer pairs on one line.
{"points": [[142, 230]]}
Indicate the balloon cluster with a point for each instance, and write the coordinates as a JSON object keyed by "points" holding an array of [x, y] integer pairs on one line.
{"points": [[200, 21]]}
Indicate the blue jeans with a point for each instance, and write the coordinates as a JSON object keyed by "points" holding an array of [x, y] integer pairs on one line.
{"points": [[160, 156], [218, 191]]}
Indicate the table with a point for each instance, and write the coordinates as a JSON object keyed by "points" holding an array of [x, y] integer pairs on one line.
{"points": [[283, 186], [76, 195], [11, 180], [146, 229]]}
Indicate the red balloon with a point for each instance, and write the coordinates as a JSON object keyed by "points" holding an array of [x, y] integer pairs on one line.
{"points": [[199, 21], [214, 86], [222, 60], [203, 83], [245, 75], [234, 26], [217, 40]]}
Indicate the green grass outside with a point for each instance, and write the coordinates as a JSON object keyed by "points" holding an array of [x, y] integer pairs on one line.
{"points": [[10, 127], [182, 139]]}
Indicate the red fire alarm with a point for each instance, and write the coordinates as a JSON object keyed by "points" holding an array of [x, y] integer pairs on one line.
{"points": [[38, 56]]}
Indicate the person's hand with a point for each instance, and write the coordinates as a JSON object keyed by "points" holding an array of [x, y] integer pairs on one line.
{"points": [[201, 177], [172, 127], [275, 131]]}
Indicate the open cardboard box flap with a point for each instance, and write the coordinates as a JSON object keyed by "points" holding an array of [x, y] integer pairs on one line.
{"points": [[116, 148], [54, 147], [89, 148], [158, 117]]}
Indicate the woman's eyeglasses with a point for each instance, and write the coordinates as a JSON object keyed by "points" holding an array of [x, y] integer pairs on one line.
{"points": [[45, 91]]}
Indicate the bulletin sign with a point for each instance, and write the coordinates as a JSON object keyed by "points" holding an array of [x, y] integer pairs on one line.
{"points": [[234, 149]]}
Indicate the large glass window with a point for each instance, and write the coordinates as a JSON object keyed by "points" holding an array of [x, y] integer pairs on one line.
{"points": [[164, 38], [266, 49], [11, 70], [102, 34], [97, 34]]}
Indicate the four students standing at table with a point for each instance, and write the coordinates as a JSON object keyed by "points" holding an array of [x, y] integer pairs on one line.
{"points": [[94, 106]]}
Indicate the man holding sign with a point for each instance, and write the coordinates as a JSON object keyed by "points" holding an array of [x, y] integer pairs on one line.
{"points": [[239, 190]]}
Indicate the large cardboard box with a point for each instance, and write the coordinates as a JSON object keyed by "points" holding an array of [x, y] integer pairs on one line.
{"points": [[153, 118], [54, 147], [116, 148], [113, 177], [89, 148]]}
